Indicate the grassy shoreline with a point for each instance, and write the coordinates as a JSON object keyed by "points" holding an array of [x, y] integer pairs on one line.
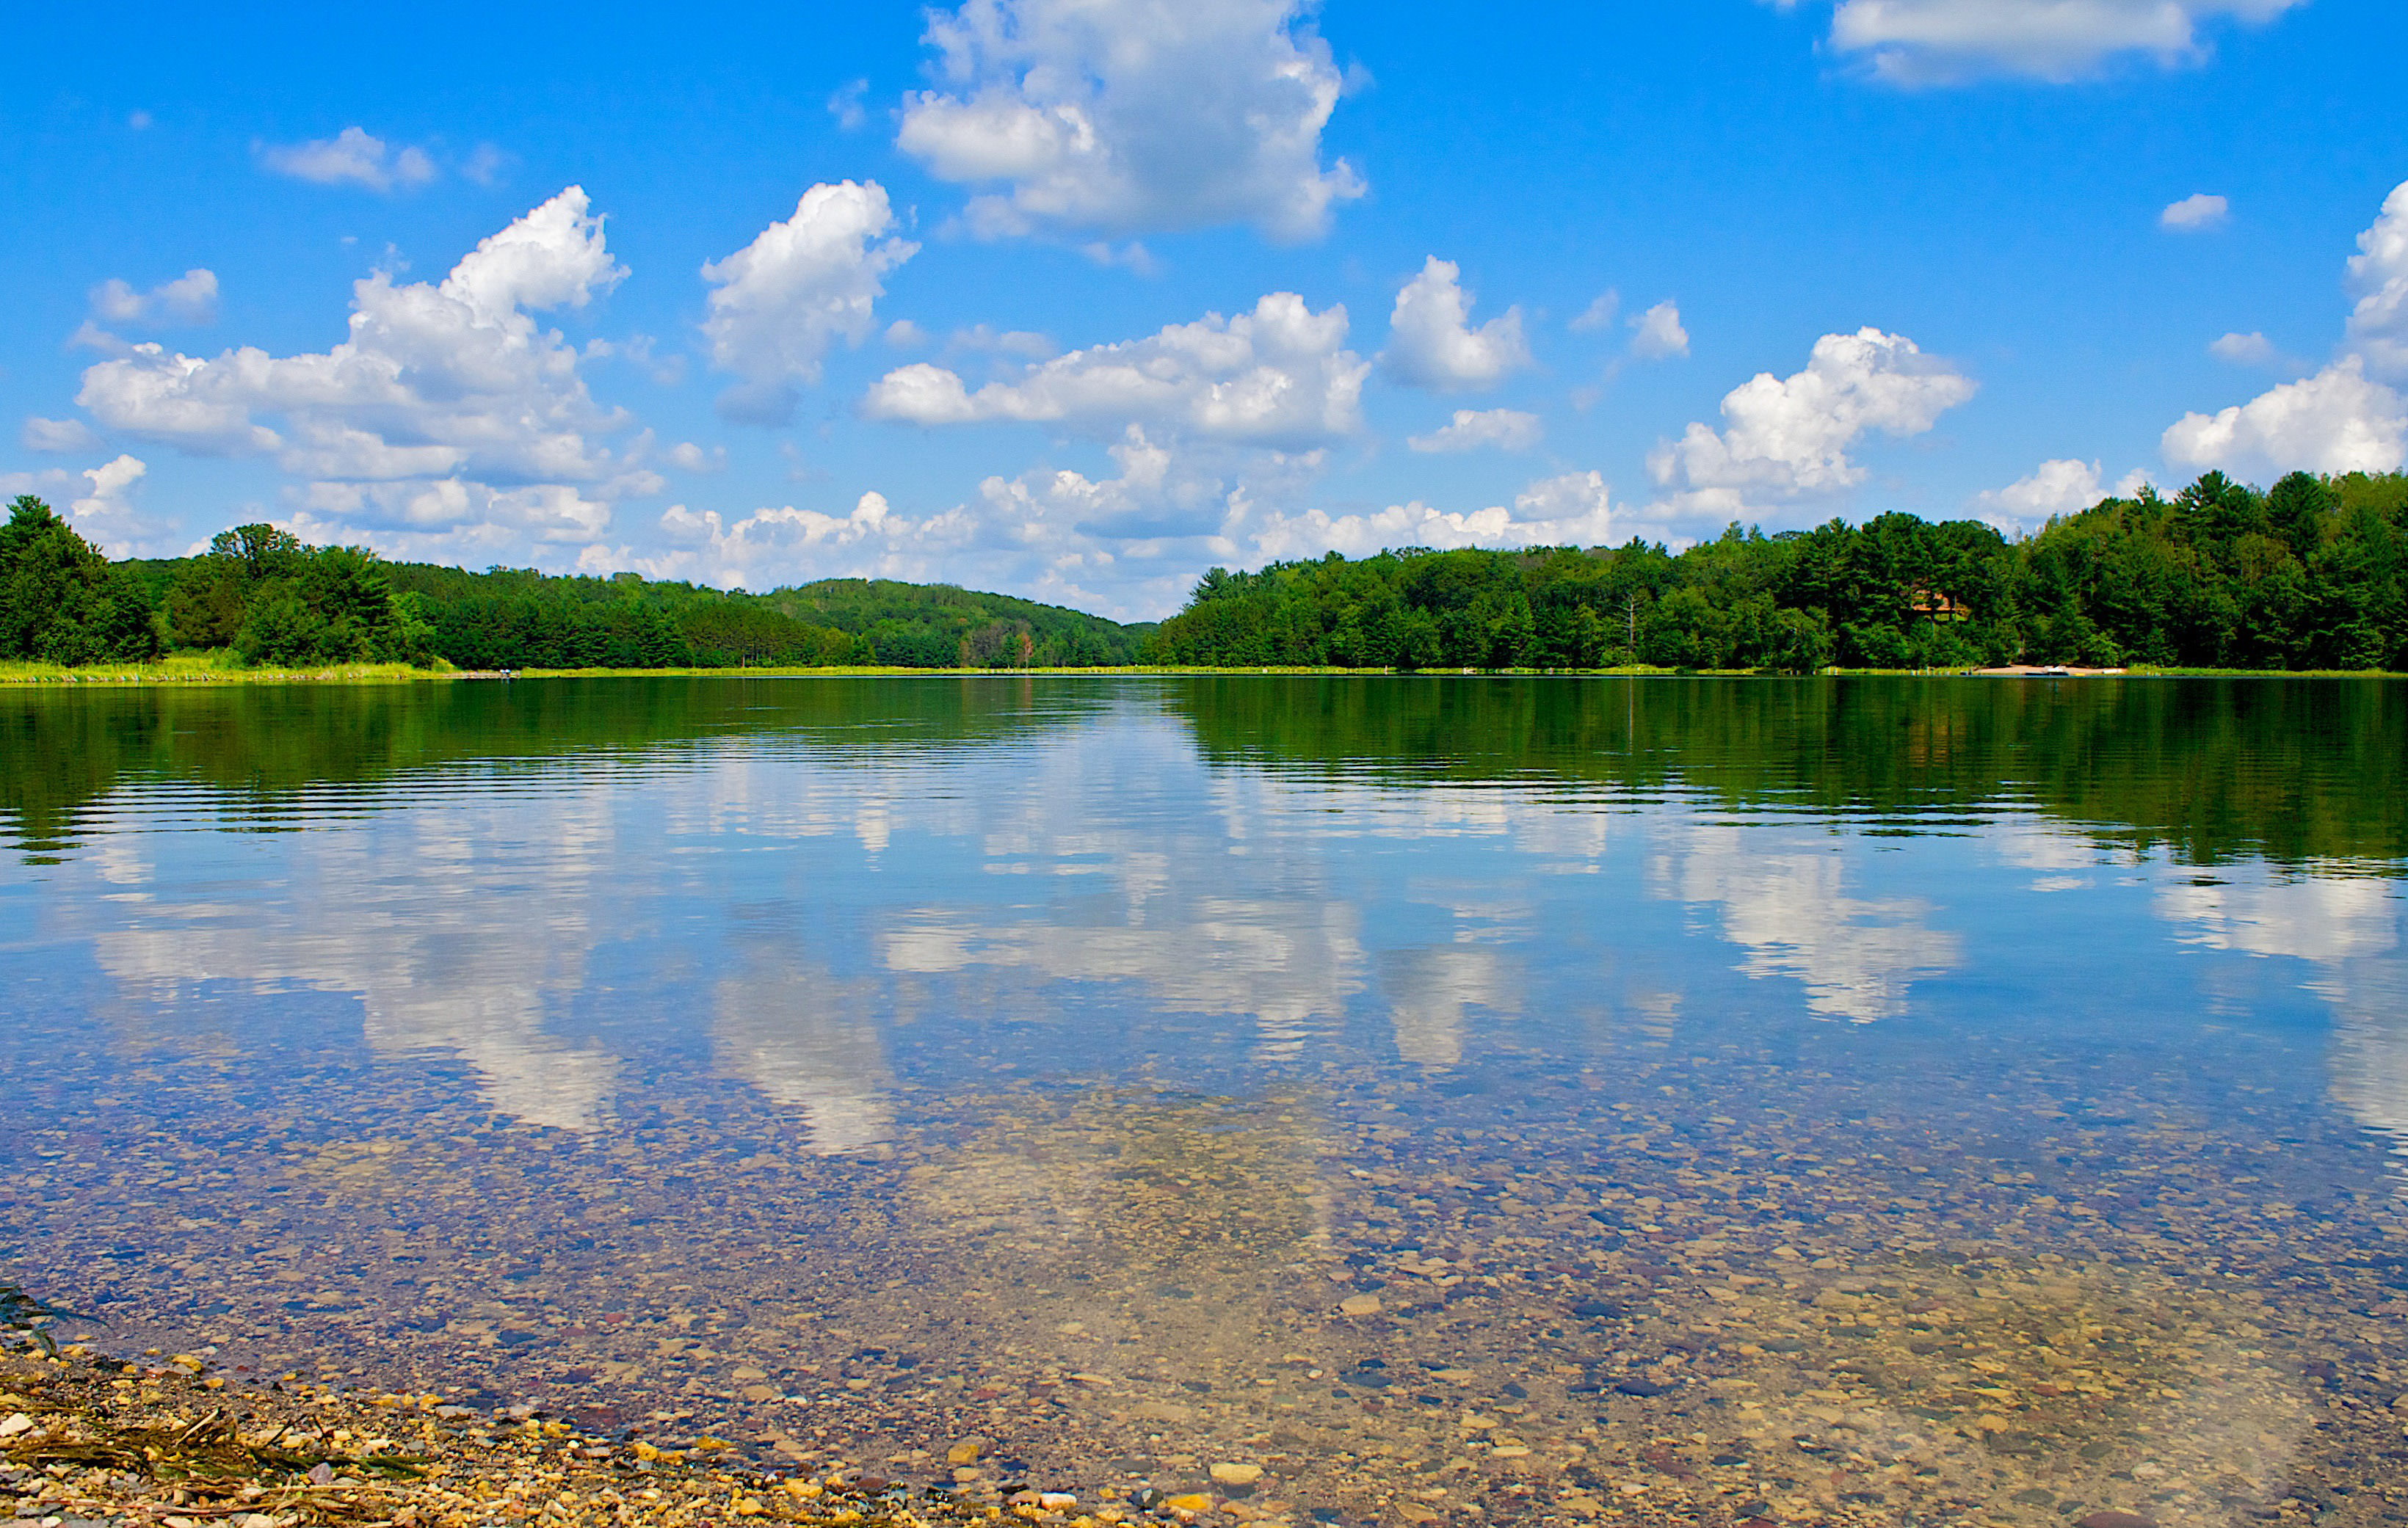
{"points": [[208, 669]]}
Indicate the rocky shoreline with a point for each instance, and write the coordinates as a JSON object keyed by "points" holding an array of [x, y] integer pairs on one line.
{"points": [[88, 1441]]}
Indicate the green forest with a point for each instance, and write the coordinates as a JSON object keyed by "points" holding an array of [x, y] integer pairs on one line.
{"points": [[262, 598], [2309, 575], [2312, 574]]}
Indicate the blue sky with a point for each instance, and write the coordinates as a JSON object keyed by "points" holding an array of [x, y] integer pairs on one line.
{"points": [[1076, 298]]}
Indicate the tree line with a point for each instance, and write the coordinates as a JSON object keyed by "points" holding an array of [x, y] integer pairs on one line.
{"points": [[2312, 574], [264, 598]]}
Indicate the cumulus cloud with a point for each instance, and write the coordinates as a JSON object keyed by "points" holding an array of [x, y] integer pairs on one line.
{"points": [[986, 339], [2059, 487], [1506, 429], [486, 164], [772, 546], [1940, 42], [99, 501], [1597, 314], [1790, 436], [57, 436], [778, 304], [722, 551], [1158, 497], [1431, 343], [2249, 349], [2340, 420], [2195, 213], [190, 298], [1572, 510], [2337, 421], [1129, 115], [2378, 274], [1656, 335], [1278, 376], [845, 105], [353, 157], [106, 514], [446, 410]]}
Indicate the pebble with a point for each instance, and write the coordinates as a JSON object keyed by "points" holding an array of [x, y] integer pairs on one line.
{"points": [[1360, 1305], [2114, 1520], [1236, 1475]]}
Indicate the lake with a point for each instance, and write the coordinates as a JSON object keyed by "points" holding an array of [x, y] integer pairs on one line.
{"points": [[1455, 1098]]}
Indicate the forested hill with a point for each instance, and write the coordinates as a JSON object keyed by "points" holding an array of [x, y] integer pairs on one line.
{"points": [[520, 619], [2309, 574], [261, 595]]}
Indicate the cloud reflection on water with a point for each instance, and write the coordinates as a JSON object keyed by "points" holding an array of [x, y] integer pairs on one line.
{"points": [[1097, 871], [2346, 929], [1789, 907], [408, 915]]}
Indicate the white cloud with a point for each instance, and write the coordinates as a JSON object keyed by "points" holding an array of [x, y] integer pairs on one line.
{"points": [[986, 339], [1656, 335], [2195, 213], [57, 436], [2339, 419], [2378, 274], [845, 105], [1132, 256], [1792, 436], [903, 335], [1570, 510], [2249, 349], [352, 157], [1506, 429], [2336, 420], [1125, 116], [105, 514], [692, 458], [1936, 42], [445, 410], [452, 516], [776, 303], [784, 544], [1280, 377], [1431, 343], [486, 164], [99, 501], [1597, 314], [2061, 487], [190, 298]]}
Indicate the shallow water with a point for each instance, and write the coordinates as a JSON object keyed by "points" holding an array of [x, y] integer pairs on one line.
{"points": [[1882, 1101]]}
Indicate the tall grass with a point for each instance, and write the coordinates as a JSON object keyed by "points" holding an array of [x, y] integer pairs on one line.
{"points": [[205, 668]]}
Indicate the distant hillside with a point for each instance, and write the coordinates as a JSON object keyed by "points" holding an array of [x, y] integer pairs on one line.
{"points": [[260, 592], [513, 618]]}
